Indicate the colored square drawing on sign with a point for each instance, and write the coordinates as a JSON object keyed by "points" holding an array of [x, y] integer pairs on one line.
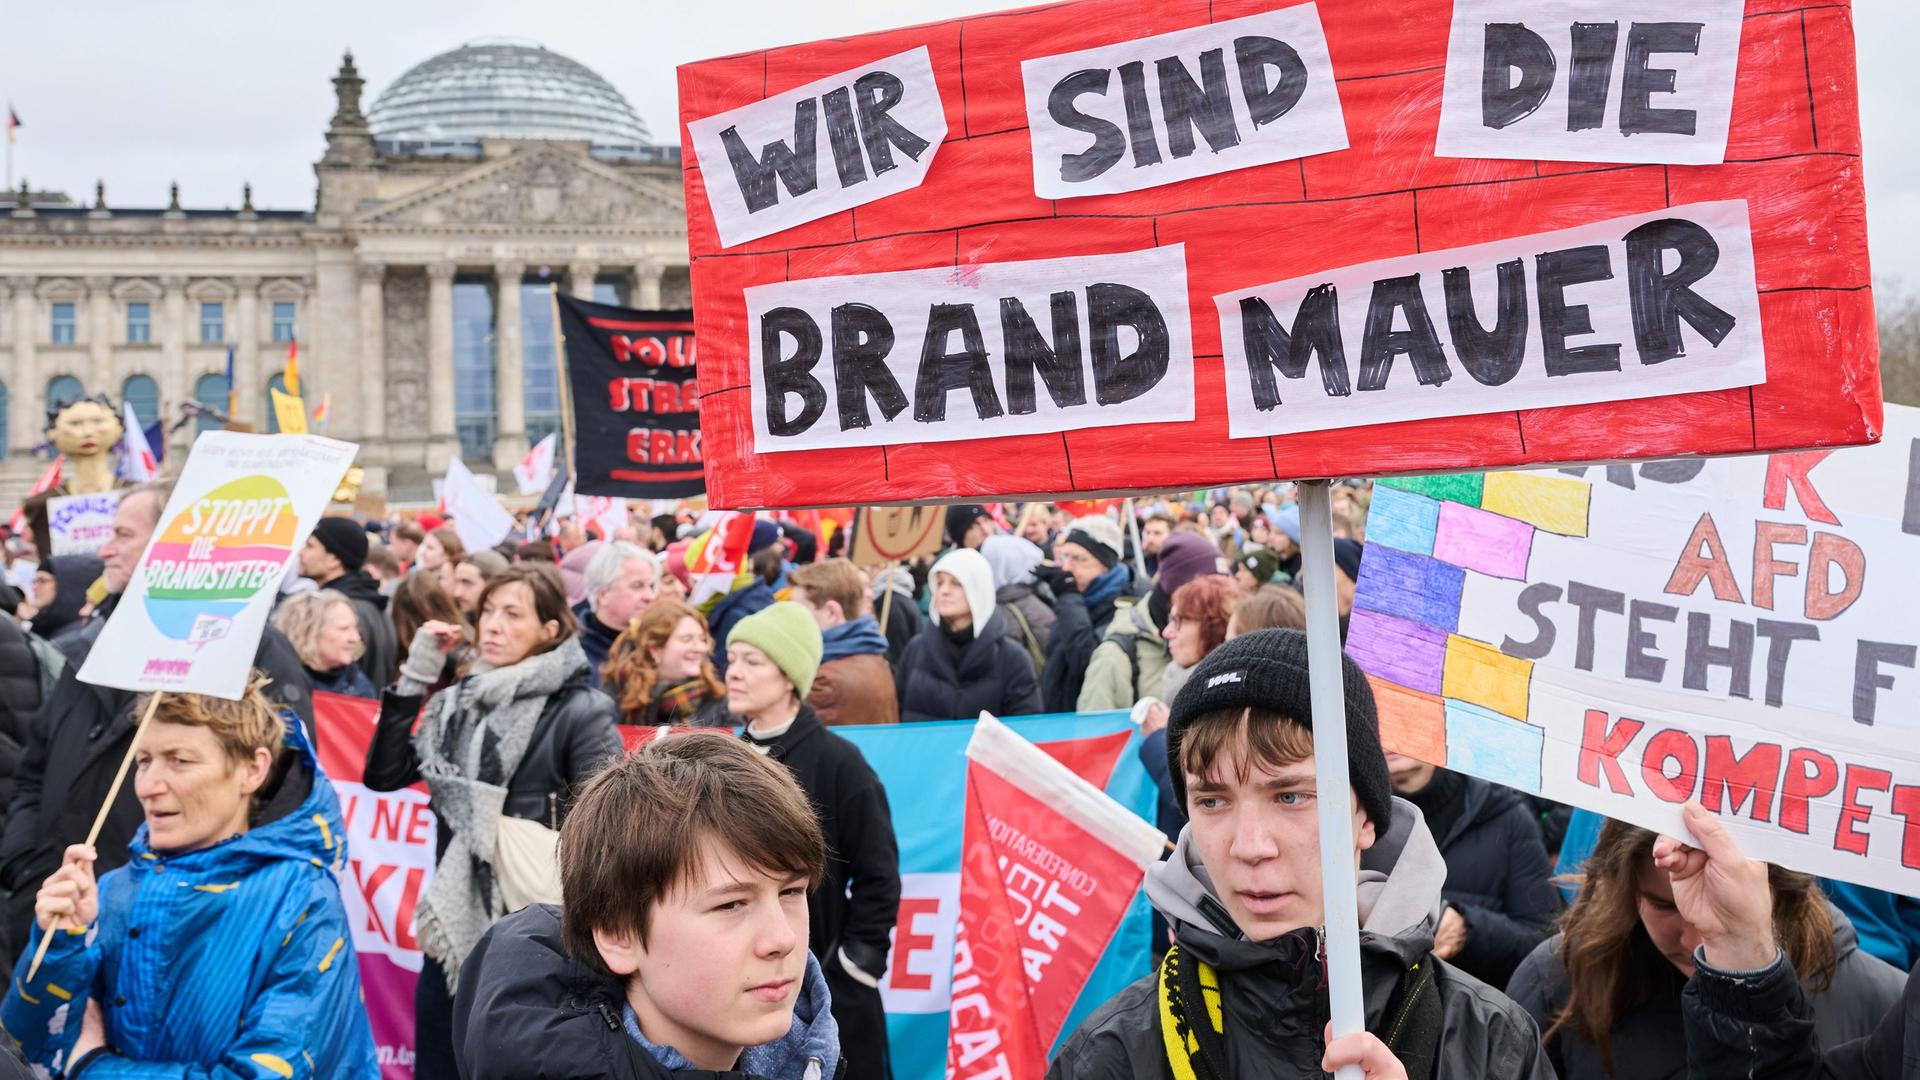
{"points": [[1410, 654], [1555, 504], [1411, 723], [1494, 747], [1412, 587], [1450, 487], [1482, 675], [1402, 519], [1494, 545]]}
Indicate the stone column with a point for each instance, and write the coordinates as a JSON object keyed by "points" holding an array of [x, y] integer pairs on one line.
{"points": [[646, 286], [580, 277], [444, 444], [100, 338], [26, 389], [250, 370], [177, 379], [373, 351], [510, 385]]}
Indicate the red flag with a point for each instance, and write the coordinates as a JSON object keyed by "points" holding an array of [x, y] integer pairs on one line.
{"points": [[1049, 866], [1088, 507], [47, 482]]}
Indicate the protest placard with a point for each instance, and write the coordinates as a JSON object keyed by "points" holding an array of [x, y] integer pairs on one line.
{"points": [[1625, 639], [81, 524], [1715, 356], [240, 511], [636, 409], [884, 535], [477, 516]]}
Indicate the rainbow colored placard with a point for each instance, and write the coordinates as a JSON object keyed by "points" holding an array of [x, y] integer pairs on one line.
{"points": [[238, 514]]}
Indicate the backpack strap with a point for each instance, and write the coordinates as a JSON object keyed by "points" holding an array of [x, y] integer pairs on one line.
{"points": [[1034, 652]]}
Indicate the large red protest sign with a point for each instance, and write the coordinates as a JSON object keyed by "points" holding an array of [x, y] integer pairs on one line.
{"points": [[952, 332]]}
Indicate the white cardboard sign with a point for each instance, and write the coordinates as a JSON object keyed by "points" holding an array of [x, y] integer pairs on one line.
{"points": [[1161, 109], [1590, 80], [1634, 307], [971, 352], [1625, 638], [239, 513], [81, 524], [831, 145]]}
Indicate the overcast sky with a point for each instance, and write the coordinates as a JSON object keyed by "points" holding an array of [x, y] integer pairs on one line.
{"points": [[216, 92]]}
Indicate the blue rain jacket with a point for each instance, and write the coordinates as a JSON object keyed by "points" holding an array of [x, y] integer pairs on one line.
{"points": [[233, 961]]}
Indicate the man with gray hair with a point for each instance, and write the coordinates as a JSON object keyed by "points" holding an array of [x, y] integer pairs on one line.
{"points": [[82, 732], [622, 580]]}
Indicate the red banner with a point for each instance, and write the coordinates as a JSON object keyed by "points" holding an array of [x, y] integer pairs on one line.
{"points": [[1042, 890], [390, 859]]}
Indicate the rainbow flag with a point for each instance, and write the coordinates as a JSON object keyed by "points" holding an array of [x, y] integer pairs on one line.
{"points": [[323, 411]]}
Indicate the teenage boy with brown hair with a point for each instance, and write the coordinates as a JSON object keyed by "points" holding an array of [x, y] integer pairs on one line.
{"points": [[682, 949], [1243, 992]]}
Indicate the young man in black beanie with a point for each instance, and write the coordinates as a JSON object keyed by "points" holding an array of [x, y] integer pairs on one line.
{"points": [[335, 558], [1243, 992]]}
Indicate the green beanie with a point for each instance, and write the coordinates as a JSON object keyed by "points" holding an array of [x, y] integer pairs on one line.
{"points": [[788, 635]]}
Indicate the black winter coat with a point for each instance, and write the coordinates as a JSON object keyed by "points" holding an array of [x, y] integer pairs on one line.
{"points": [[1762, 1027], [19, 700], [1497, 875], [1078, 629], [596, 638], [73, 751], [527, 1009], [575, 738], [861, 852], [991, 673], [1648, 1041], [380, 661]]}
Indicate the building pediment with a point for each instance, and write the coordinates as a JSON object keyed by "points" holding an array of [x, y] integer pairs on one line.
{"points": [[532, 188]]}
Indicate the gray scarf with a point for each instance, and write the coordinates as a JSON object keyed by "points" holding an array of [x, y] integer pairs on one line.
{"points": [[470, 745]]}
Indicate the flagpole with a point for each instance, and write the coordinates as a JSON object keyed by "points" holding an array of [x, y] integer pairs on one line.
{"points": [[566, 389]]}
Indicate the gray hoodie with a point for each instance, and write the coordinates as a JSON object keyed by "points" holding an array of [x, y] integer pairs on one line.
{"points": [[1273, 996]]}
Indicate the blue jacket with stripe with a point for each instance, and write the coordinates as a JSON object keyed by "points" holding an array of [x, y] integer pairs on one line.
{"points": [[233, 961]]}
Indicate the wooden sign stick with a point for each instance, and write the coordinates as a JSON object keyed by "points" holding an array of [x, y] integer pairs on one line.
{"points": [[100, 819]]}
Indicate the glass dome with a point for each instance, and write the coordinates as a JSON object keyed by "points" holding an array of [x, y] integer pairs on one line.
{"points": [[504, 89]]}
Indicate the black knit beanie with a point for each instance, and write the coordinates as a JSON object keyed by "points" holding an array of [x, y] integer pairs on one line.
{"points": [[1267, 669]]}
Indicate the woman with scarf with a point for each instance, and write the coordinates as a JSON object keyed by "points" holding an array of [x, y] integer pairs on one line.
{"points": [[512, 738], [325, 631], [1088, 585], [661, 670]]}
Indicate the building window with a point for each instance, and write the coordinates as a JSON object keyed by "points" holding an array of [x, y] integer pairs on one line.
{"points": [[610, 290], [540, 374], [210, 393], [3, 420], [213, 323], [64, 390], [141, 392], [139, 323], [63, 323], [474, 415], [282, 321]]}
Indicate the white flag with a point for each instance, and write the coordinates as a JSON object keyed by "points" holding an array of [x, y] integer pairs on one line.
{"points": [[480, 521], [535, 471], [137, 462]]}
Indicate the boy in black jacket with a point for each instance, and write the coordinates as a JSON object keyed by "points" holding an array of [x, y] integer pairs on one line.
{"points": [[682, 950]]}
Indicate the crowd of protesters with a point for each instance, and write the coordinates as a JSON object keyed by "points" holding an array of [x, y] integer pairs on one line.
{"points": [[727, 903]]}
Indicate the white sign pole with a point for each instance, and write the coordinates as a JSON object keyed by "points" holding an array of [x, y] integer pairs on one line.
{"points": [[1326, 682]]}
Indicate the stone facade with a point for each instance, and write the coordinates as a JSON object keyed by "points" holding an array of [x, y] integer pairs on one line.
{"points": [[370, 273]]}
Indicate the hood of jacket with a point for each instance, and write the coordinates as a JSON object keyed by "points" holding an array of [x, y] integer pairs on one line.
{"points": [[359, 585], [971, 570], [72, 574], [297, 818], [1012, 559], [862, 635], [897, 578]]}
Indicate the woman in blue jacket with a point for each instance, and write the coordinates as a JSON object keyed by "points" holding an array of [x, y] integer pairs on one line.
{"points": [[222, 949]]}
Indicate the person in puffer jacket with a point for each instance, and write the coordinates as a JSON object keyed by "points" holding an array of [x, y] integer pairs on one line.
{"points": [[963, 663], [222, 949], [1242, 994]]}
